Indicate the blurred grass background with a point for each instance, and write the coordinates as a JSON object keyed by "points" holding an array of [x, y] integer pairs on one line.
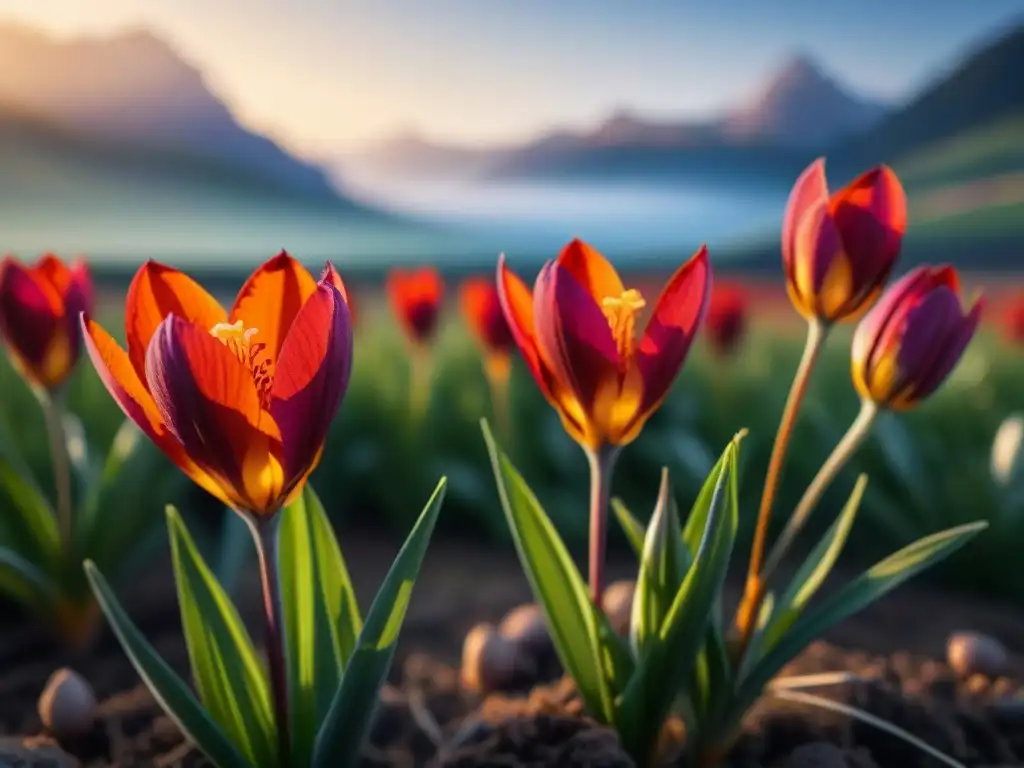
{"points": [[929, 469]]}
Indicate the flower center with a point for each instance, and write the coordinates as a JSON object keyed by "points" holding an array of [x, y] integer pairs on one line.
{"points": [[236, 337], [621, 312]]}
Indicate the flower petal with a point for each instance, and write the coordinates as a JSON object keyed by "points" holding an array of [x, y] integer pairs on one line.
{"points": [[32, 323], [591, 269], [330, 274], [950, 352], [118, 375], [208, 400], [312, 376], [677, 316], [416, 300], [517, 305], [870, 215], [270, 300], [157, 291], [810, 188], [573, 335]]}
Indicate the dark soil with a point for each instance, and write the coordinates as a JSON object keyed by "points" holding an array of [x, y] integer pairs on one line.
{"points": [[896, 647]]}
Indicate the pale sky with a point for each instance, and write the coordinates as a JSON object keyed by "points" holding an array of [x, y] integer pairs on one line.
{"points": [[324, 76]]}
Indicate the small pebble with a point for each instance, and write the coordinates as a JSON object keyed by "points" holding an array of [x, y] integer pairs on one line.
{"points": [[527, 626], [491, 662], [972, 653], [617, 602], [67, 705]]}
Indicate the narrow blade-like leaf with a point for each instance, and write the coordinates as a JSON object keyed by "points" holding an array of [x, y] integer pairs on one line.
{"points": [[25, 582], [878, 580], [632, 527], [169, 690], [348, 720], [227, 672], [321, 616], [808, 579], [556, 583], [662, 568], [28, 524]]}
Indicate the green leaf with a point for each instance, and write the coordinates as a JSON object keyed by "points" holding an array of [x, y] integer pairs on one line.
{"points": [[808, 579], [25, 582], [632, 527], [662, 569], [668, 664], [169, 690], [697, 522], [556, 584], [348, 720], [878, 580], [227, 672], [28, 523], [321, 617]]}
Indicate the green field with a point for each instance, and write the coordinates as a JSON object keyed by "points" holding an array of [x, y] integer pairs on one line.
{"points": [[929, 469]]}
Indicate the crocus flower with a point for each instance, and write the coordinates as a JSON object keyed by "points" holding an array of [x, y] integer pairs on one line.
{"points": [[241, 400], [576, 332], [416, 300], [727, 319], [1013, 321], [39, 308], [482, 308], [912, 339], [839, 250]]}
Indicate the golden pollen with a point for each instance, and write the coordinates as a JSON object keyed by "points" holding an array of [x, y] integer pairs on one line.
{"points": [[236, 337], [621, 312]]}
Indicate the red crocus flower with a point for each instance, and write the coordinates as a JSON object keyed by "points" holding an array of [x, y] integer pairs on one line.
{"points": [[907, 345], [39, 309], [1013, 321], [727, 319], [576, 332], [839, 250], [416, 300], [241, 401], [482, 309]]}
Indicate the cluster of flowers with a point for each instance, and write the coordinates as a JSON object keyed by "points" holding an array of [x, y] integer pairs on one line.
{"points": [[241, 400]]}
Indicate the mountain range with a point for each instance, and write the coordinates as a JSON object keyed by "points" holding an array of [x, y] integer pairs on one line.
{"points": [[799, 113]]}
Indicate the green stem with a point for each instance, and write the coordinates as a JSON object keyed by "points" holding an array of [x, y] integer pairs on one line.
{"points": [[746, 617], [53, 409], [846, 447], [498, 373], [419, 383], [265, 535], [602, 466]]}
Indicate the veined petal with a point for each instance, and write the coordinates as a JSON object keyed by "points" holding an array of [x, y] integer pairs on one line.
{"points": [[312, 376], [809, 189], [517, 305], [330, 274], [591, 269], [119, 377], [677, 316], [157, 291], [208, 401], [574, 338], [270, 300]]}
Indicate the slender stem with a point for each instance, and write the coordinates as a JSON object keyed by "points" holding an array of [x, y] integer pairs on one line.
{"points": [[53, 407], [846, 447], [498, 369], [602, 466], [419, 382], [746, 617], [265, 534]]}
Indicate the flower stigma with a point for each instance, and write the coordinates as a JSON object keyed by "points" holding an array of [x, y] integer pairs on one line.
{"points": [[236, 337], [621, 312]]}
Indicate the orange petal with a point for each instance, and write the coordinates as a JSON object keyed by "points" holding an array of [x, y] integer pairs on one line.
{"points": [[592, 270], [208, 400], [270, 300], [156, 292], [118, 375]]}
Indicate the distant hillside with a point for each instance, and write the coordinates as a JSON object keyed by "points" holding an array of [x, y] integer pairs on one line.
{"points": [[134, 92], [799, 110], [985, 88]]}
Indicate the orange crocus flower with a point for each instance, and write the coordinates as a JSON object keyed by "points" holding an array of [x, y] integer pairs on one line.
{"points": [[39, 309], [416, 300], [838, 250], [576, 331], [241, 401]]}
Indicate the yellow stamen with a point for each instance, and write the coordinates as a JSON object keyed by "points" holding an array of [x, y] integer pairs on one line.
{"points": [[236, 337], [621, 312]]}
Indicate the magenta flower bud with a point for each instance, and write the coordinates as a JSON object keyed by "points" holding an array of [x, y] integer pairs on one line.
{"points": [[908, 344]]}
